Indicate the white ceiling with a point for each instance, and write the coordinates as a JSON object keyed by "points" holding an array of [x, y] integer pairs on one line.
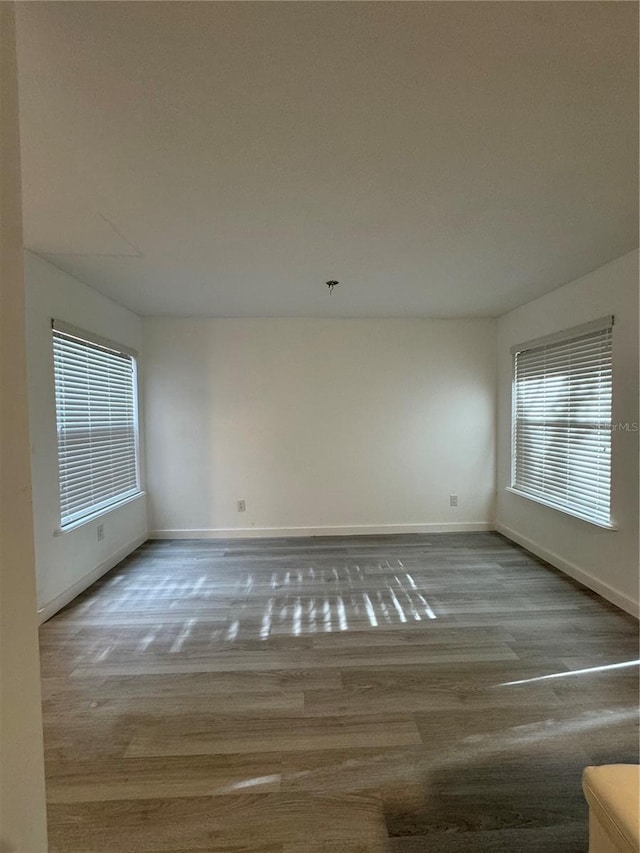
{"points": [[226, 159]]}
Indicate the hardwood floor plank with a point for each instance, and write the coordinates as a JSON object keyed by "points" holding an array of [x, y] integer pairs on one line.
{"points": [[310, 846], [197, 684], [195, 737], [559, 838], [80, 780], [155, 826], [238, 706], [249, 661]]}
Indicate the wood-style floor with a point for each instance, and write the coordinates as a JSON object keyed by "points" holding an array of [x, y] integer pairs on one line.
{"points": [[407, 693]]}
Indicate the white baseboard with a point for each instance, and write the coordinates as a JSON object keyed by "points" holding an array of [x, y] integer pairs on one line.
{"points": [[79, 586], [613, 595], [336, 530]]}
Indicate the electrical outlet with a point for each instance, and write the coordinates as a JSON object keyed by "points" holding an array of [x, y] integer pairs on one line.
{"points": [[100, 531], [453, 500], [241, 506]]}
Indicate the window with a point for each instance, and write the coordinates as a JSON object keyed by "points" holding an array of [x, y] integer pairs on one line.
{"points": [[562, 421], [96, 414]]}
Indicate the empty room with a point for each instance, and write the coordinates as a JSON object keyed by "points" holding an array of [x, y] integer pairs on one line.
{"points": [[320, 421]]}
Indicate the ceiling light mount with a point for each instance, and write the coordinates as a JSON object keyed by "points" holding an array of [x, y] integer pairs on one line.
{"points": [[331, 284]]}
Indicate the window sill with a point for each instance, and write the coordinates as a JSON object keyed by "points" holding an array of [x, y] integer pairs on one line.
{"points": [[563, 510], [60, 531]]}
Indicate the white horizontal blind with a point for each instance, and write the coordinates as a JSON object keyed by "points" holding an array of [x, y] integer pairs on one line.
{"points": [[562, 424], [96, 413]]}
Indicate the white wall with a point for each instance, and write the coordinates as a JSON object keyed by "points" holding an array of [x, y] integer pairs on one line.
{"points": [[67, 563], [22, 798], [606, 561], [321, 426]]}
